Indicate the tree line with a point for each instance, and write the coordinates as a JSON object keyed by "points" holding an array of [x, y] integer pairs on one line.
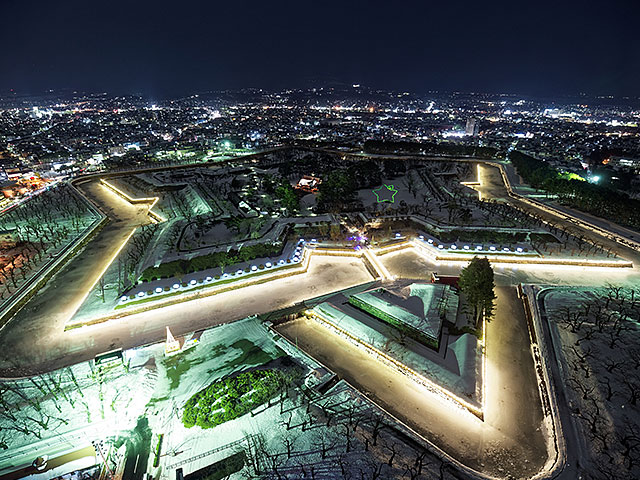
{"points": [[591, 198], [429, 148], [39, 227]]}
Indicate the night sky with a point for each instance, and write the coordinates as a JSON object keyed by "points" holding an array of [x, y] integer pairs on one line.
{"points": [[174, 48]]}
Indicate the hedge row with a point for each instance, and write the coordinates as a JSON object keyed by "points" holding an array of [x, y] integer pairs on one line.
{"points": [[177, 268]]}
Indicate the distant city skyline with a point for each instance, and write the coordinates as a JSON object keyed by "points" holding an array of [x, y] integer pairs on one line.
{"points": [[161, 49]]}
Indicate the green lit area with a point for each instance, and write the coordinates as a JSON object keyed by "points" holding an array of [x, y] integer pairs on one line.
{"points": [[571, 176]]}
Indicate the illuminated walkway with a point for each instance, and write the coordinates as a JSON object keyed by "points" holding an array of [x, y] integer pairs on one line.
{"points": [[39, 343], [509, 440]]}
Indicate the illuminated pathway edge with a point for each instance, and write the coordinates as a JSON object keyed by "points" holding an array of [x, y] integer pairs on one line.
{"points": [[433, 387], [368, 255], [433, 255]]}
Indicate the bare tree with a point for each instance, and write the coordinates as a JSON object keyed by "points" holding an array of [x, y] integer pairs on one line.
{"points": [[609, 391], [632, 389], [289, 442]]}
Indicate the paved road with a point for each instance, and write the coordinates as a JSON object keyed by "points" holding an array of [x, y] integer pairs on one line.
{"points": [[45, 346], [36, 331], [410, 264], [508, 442], [492, 186]]}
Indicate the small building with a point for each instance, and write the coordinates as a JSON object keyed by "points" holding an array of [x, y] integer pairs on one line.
{"points": [[450, 280], [9, 188], [308, 184]]}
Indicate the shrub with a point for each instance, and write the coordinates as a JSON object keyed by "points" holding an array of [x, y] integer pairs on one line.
{"points": [[156, 454], [231, 398]]}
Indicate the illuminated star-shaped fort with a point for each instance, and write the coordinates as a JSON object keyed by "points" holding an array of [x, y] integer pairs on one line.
{"points": [[385, 193]]}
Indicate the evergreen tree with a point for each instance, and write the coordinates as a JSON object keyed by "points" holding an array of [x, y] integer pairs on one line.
{"points": [[476, 282]]}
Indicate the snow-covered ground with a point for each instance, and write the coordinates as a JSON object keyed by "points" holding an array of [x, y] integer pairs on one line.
{"points": [[597, 331], [456, 365], [40, 229], [303, 428]]}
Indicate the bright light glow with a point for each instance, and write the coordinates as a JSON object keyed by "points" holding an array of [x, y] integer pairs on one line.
{"points": [[511, 258], [151, 200], [107, 265], [457, 134]]}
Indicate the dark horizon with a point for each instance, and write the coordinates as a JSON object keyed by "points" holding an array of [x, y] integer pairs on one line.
{"points": [[167, 50]]}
